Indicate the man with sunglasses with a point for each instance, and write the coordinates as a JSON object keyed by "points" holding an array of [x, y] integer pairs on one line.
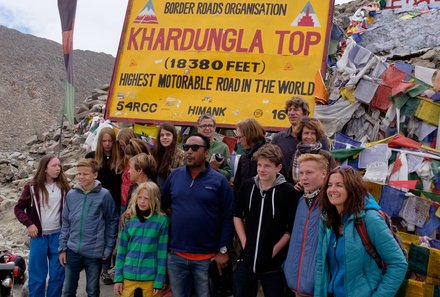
{"points": [[297, 109], [201, 228], [218, 157]]}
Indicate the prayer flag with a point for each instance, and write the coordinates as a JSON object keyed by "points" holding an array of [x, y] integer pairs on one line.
{"points": [[67, 10], [320, 93]]}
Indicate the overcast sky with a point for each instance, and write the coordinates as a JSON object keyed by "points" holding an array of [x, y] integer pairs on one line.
{"points": [[97, 28]]}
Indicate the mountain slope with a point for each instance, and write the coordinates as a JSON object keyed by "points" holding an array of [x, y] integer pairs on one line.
{"points": [[32, 82]]}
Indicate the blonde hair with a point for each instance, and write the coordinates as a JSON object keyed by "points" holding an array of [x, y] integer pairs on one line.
{"points": [[91, 163], [153, 196], [318, 158], [146, 163]]}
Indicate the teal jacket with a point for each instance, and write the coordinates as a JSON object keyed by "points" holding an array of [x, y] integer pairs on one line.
{"points": [[362, 276]]}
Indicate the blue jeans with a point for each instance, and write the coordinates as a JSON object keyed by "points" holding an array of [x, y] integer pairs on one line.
{"points": [[185, 273], [43, 257], [74, 264], [245, 282]]}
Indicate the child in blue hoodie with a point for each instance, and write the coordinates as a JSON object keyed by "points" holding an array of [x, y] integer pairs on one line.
{"points": [[89, 229], [343, 266]]}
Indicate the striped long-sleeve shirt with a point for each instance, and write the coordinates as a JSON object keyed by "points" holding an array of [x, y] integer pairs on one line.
{"points": [[142, 250]]}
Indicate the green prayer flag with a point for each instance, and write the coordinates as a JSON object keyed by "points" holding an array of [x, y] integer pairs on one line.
{"points": [[69, 103], [400, 100]]}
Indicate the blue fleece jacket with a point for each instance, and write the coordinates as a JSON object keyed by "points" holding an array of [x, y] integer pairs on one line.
{"points": [[359, 272], [201, 210], [299, 268], [90, 222]]}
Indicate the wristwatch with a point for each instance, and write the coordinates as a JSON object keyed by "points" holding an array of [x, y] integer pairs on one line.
{"points": [[223, 250]]}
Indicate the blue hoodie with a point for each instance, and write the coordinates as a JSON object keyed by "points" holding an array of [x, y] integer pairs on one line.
{"points": [[355, 273], [90, 222]]}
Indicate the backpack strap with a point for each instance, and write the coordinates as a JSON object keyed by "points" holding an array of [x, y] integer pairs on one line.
{"points": [[361, 228]]}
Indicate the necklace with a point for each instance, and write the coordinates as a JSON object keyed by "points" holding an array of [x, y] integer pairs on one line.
{"points": [[51, 186]]}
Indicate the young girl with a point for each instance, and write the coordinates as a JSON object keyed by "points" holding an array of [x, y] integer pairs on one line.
{"points": [[166, 153], [110, 169], [123, 138], [134, 147], [39, 209], [142, 248]]}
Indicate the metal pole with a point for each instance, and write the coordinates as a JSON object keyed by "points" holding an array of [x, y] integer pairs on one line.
{"points": [[61, 134]]}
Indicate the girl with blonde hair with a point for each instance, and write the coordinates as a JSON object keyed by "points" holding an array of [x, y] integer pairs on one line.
{"points": [[142, 248]]}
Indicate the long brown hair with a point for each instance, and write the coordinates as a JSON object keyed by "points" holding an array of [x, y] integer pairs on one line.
{"points": [[124, 136], [39, 179], [164, 155], [114, 157], [356, 192], [136, 146]]}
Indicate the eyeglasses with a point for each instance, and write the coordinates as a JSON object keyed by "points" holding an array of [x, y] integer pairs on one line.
{"points": [[206, 126], [345, 168], [193, 147]]}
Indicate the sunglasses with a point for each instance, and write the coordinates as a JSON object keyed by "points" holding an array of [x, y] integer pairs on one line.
{"points": [[308, 120], [345, 168], [193, 147]]}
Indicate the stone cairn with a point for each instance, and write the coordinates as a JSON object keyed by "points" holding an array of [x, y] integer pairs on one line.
{"points": [[18, 167]]}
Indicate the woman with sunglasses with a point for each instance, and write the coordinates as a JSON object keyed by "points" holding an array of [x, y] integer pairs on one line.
{"points": [[343, 266], [251, 136], [308, 132]]}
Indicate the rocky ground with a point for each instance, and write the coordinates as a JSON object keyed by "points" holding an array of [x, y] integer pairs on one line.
{"points": [[17, 167]]}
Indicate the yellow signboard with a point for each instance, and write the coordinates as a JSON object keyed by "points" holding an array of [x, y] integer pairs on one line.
{"points": [[232, 59]]}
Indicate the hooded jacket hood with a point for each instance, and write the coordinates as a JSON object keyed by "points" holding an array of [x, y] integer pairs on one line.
{"points": [[280, 179], [96, 187], [370, 203], [271, 191]]}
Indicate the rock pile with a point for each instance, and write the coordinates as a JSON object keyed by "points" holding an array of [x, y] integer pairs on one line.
{"points": [[17, 167]]}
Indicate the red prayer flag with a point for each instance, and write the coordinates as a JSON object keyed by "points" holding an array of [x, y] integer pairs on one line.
{"points": [[407, 184], [400, 140]]}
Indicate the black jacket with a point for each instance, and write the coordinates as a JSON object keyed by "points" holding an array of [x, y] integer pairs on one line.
{"points": [[246, 168], [109, 179], [265, 228]]}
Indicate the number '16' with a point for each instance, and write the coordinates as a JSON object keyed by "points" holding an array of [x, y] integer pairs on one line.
{"points": [[279, 114]]}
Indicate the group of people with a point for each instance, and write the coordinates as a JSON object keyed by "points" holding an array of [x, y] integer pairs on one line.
{"points": [[172, 213]]}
